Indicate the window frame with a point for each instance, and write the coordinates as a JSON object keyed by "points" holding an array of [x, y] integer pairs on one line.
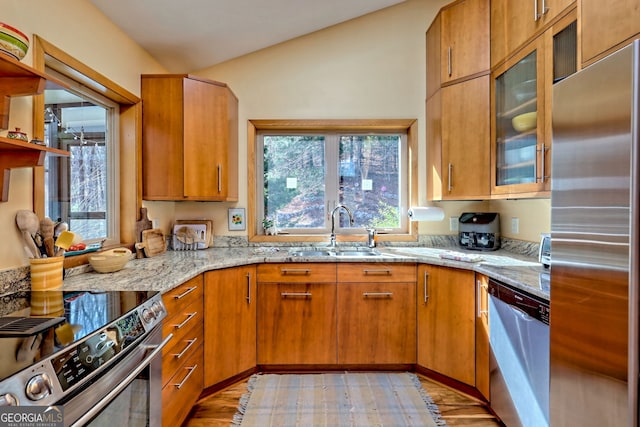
{"points": [[332, 157], [408, 126], [113, 153], [129, 132]]}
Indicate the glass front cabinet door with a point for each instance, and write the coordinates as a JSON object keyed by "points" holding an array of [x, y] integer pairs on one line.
{"points": [[521, 122]]}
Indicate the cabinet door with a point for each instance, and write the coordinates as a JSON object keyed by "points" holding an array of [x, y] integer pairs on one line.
{"points": [[482, 335], [205, 153], [466, 139], [162, 177], [606, 25], [516, 22], [230, 323], [434, 146], [296, 323], [376, 323], [521, 99], [465, 39], [446, 322], [433, 38]]}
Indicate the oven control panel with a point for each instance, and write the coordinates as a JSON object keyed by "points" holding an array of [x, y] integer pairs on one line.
{"points": [[51, 379]]}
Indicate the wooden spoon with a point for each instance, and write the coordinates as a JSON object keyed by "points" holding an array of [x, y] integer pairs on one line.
{"points": [[46, 231], [28, 223]]}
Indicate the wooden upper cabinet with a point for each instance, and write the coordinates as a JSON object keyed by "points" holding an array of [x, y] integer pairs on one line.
{"points": [[464, 39], [189, 139], [433, 37], [607, 26], [463, 166], [457, 43], [516, 22]]}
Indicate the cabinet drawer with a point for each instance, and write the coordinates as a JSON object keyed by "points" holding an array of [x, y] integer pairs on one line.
{"points": [[182, 391], [179, 350], [183, 295], [297, 273], [182, 323], [376, 272]]}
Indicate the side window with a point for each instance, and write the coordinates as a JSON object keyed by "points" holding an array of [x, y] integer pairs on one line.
{"points": [[82, 190], [304, 176]]}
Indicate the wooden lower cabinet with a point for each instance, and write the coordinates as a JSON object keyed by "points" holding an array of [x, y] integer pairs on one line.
{"points": [[296, 314], [182, 368], [229, 323], [296, 323], [446, 322], [376, 314], [482, 335]]}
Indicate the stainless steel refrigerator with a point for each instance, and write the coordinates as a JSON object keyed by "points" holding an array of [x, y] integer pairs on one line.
{"points": [[594, 245]]}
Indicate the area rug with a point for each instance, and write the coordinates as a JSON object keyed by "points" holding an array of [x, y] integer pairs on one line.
{"points": [[336, 400]]}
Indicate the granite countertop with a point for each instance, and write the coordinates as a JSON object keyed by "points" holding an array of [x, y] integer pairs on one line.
{"points": [[172, 268]]}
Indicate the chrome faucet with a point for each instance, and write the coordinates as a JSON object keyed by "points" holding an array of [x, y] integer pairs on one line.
{"points": [[332, 243]]}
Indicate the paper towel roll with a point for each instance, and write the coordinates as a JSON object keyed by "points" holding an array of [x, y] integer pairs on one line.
{"points": [[426, 214]]}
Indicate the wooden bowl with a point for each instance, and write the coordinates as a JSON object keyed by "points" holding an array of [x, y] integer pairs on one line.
{"points": [[111, 260]]}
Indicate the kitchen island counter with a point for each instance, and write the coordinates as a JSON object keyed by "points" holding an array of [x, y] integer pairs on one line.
{"points": [[172, 268]]}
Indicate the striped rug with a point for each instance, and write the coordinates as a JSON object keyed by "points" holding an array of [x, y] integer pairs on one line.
{"points": [[335, 400]]}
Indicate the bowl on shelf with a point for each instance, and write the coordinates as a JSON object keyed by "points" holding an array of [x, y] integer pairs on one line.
{"points": [[525, 90], [13, 42], [111, 260], [525, 122]]}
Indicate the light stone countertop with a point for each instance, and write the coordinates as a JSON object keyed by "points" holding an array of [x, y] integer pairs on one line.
{"points": [[172, 268]]}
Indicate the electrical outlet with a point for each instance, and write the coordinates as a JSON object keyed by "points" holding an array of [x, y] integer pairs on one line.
{"points": [[515, 225], [453, 223]]}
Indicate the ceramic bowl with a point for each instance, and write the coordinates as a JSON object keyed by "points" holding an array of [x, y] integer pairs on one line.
{"points": [[525, 122], [111, 260], [13, 42], [17, 134]]}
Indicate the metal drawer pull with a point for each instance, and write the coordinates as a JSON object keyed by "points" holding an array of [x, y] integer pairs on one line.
{"points": [[186, 377], [219, 179], [185, 293], [378, 271], [425, 283], [187, 347], [189, 317], [295, 271], [377, 294], [296, 294], [248, 297]]}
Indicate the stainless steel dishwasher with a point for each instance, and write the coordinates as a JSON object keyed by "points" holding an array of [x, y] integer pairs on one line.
{"points": [[519, 338]]}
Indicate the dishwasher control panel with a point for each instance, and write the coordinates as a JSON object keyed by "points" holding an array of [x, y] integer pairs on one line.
{"points": [[528, 304]]}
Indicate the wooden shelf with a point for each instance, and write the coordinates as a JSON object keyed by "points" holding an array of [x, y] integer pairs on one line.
{"points": [[18, 79], [15, 153]]}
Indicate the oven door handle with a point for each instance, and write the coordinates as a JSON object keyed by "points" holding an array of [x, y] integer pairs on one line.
{"points": [[124, 384]]}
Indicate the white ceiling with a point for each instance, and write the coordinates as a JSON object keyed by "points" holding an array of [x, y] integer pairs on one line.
{"points": [[188, 35]]}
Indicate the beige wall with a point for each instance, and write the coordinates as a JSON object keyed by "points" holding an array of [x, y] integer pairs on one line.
{"points": [[79, 29]]}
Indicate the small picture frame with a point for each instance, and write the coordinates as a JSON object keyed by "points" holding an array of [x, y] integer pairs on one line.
{"points": [[237, 219]]}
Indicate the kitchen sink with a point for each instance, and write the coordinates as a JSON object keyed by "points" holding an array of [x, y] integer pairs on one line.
{"points": [[345, 252], [311, 253], [358, 252]]}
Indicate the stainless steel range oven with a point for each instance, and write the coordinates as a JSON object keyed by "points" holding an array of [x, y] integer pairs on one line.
{"points": [[94, 355]]}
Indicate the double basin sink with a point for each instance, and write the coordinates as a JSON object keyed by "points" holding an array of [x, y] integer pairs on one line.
{"points": [[337, 252]]}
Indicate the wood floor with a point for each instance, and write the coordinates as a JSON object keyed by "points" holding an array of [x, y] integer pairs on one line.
{"points": [[457, 409]]}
